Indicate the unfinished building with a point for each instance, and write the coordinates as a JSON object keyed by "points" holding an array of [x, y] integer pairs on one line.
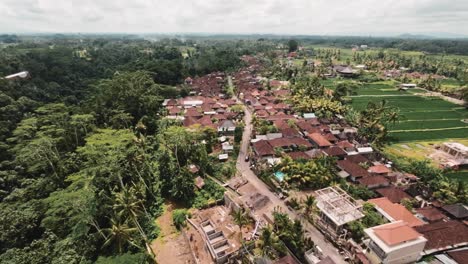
{"points": [[337, 208]]}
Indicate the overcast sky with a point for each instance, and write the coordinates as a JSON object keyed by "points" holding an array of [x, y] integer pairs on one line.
{"points": [[311, 17]]}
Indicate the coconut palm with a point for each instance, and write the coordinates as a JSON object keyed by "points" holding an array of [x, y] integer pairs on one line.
{"points": [[119, 234], [269, 243], [309, 205], [240, 217]]}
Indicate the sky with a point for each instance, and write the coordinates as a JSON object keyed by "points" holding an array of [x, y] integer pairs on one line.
{"points": [[308, 17]]}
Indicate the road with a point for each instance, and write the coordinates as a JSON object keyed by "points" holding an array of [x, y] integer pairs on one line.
{"points": [[243, 167]]}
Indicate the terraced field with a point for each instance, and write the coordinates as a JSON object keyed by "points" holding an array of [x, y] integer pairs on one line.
{"points": [[423, 118]]}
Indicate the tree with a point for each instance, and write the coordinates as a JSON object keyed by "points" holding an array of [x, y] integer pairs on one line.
{"points": [[179, 217], [119, 234], [292, 45], [269, 244]]}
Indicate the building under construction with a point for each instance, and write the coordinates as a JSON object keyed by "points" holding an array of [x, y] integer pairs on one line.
{"points": [[337, 208]]}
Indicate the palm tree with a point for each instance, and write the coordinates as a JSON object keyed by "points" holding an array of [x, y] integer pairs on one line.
{"points": [[119, 234], [241, 218], [269, 243], [309, 205]]}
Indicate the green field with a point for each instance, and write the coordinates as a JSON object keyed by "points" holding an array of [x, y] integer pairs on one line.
{"points": [[422, 118]]}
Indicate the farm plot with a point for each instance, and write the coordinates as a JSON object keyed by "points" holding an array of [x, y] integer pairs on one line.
{"points": [[423, 118]]}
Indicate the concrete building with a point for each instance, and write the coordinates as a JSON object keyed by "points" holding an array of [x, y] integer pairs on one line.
{"points": [[337, 208], [458, 151], [394, 243]]}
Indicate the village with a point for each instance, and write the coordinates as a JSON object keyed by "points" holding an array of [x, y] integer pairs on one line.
{"points": [[349, 201]]}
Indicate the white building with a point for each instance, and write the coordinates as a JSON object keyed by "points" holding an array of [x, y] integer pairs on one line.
{"points": [[394, 243], [337, 208]]}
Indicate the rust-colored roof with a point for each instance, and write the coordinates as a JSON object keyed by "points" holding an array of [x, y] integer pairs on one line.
{"points": [[443, 234], [431, 213], [352, 168], [394, 194], [319, 140], [379, 169], [358, 158], [374, 181], [344, 144], [330, 137], [396, 233], [334, 151], [298, 155], [290, 132], [396, 211], [460, 256], [263, 148]]}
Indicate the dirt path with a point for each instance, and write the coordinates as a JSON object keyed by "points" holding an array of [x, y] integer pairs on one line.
{"points": [[171, 246]]}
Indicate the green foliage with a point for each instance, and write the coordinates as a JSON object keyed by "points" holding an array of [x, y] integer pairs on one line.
{"points": [[292, 45], [209, 194], [137, 258], [179, 217], [315, 174], [292, 234]]}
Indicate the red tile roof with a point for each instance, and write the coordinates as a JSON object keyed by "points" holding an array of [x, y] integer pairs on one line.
{"points": [[394, 194], [374, 181], [319, 140], [330, 137], [444, 234], [379, 169], [396, 211], [290, 132], [298, 155], [460, 256], [334, 151], [432, 214], [395, 233], [358, 158], [263, 148], [352, 168], [344, 144]]}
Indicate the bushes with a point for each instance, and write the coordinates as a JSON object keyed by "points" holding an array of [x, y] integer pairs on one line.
{"points": [[178, 218]]}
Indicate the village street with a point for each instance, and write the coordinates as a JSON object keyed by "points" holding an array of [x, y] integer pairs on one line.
{"points": [[243, 167]]}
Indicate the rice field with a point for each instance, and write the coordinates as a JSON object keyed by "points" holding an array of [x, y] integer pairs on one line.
{"points": [[422, 118]]}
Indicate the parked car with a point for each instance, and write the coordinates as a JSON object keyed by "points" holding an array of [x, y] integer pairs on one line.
{"points": [[246, 158]]}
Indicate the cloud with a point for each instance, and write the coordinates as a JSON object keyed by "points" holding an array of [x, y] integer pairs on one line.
{"points": [[342, 17]]}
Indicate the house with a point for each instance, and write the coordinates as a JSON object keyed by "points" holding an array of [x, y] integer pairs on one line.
{"points": [[319, 140], [395, 212], [335, 152], [358, 159], [394, 243], [430, 214], [444, 235], [337, 208], [226, 126], [295, 155], [457, 211], [380, 169], [459, 256], [223, 157], [263, 149], [372, 182], [394, 194], [354, 170]]}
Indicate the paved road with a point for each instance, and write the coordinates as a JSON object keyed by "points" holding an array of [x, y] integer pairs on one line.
{"points": [[242, 166]]}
